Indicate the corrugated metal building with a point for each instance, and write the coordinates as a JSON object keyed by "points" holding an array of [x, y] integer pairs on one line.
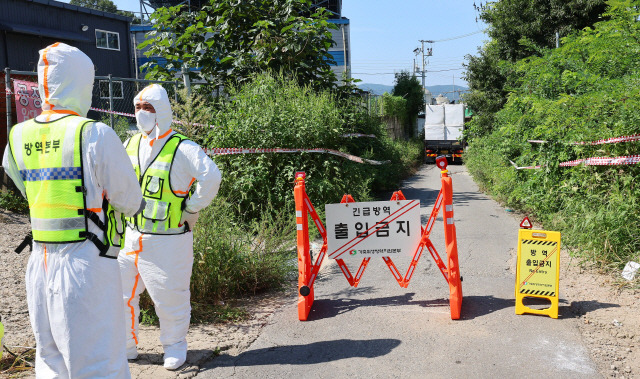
{"points": [[26, 26], [341, 50]]}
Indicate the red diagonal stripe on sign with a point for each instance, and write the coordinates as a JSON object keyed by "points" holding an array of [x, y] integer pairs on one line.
{"points": [[540, 265], [382, 223]]}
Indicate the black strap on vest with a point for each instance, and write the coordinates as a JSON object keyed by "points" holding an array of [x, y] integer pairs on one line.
{"points": [[93, 216], [104, 249]]}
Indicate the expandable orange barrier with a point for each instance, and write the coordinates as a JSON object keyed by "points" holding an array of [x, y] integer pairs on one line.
{"points": [[308, 271]]}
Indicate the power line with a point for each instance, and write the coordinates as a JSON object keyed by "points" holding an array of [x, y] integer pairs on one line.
{"points": [[457, 37], [390, 73]]}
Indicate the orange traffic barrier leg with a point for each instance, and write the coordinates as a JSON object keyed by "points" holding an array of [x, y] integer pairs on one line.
{"points": [[305, 293], [453, 268]]}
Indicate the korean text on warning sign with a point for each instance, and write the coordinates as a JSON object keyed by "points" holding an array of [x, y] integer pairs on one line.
{"points": [[382, 228]]}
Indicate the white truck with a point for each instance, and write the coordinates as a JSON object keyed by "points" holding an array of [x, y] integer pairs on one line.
{"points": [[443, 126]]}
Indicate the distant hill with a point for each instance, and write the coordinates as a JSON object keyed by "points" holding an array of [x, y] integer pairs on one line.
{"points": [[444, 89], [376, 89]]}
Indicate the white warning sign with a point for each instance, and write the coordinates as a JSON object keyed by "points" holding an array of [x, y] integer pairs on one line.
{"points": [[373, 229]]}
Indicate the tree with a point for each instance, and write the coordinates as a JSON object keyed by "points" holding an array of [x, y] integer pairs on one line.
{"points": [[101, 5], [408, 87], [522, 27], [105, 6], [487, 75], [229, 41], [518, 29]]}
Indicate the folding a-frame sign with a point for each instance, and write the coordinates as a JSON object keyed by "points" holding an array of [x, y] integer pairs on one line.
{"points": [[308, 271]]}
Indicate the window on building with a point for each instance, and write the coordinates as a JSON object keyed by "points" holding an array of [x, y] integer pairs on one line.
{"points": [[116, 89], [107, 40]]}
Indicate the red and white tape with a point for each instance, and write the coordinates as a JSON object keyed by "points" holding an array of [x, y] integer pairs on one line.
{"points": [[113, 112], [358, 135], [593, 161], [8, 91], [604, 161], [233, 151], [635, 137], [213, 126], [524, 167], [631, 138]]}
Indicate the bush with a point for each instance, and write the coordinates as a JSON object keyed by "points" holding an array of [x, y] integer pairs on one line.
{"points": [[234, 258], [584, 91], [272, 112], [13, 201]]}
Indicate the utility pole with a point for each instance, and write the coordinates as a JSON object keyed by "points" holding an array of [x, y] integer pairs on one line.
{"points": [[425, 53]]}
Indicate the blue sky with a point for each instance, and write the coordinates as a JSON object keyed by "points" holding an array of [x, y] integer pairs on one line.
{"points": [[385, 33]]}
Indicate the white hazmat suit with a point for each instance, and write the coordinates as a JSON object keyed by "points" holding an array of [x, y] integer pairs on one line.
{"points": [[162, 263], [74, 295]]}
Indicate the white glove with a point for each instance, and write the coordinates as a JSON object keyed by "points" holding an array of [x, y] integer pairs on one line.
{"points": [[189, 218]]}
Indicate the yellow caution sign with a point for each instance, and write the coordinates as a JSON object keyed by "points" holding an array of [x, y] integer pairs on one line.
{"points": [[538, 270]]}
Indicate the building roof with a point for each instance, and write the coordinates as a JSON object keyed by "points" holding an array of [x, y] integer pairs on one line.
{"points": [[39, 31], [59, 4]]}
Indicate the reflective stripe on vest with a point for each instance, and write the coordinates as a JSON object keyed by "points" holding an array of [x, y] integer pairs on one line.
{"points": [[163, 209], [49, 159]]}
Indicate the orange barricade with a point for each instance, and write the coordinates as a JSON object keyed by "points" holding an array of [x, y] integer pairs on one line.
{"points": [[308, 271]]}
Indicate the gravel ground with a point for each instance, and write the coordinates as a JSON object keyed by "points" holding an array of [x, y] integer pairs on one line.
{"points": [[607, 316]]}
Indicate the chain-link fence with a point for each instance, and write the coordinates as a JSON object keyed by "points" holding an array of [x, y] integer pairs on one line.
{"points": [[112, 97]]}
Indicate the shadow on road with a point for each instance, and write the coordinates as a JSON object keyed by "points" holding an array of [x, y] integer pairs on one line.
{"points": [[462, 199], [313, 353], [478, 306], [426, 196], [327, 308], [579, 308]]}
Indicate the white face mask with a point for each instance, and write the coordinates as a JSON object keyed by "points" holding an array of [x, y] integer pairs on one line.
{"points": [[146, 121]]}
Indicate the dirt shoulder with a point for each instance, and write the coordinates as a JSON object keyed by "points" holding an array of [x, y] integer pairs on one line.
{"points": [[607, 316]]}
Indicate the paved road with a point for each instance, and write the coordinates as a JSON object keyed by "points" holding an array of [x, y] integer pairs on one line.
{"points": [[380, 330]]}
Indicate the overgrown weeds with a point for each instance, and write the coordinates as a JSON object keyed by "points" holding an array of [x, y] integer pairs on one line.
{"points": [[13, 201], [274, 112], [580, 92], [234, 257]]}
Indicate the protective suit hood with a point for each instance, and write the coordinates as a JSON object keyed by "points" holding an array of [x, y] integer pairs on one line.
{"points": [[157, 96], [65, 79]]}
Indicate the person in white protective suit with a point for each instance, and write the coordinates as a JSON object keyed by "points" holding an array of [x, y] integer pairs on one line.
{"points": [[70, 169], [177, 180]]}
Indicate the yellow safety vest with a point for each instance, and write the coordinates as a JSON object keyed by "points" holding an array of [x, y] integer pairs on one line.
{"points": [[49, 159], [163, 209]]}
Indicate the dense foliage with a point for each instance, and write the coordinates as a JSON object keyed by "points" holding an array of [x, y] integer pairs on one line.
{"points": [[272, 112], [586, 90], [227, 41], [409, 88], [518, 29], [521, 28], [234, 258]]}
